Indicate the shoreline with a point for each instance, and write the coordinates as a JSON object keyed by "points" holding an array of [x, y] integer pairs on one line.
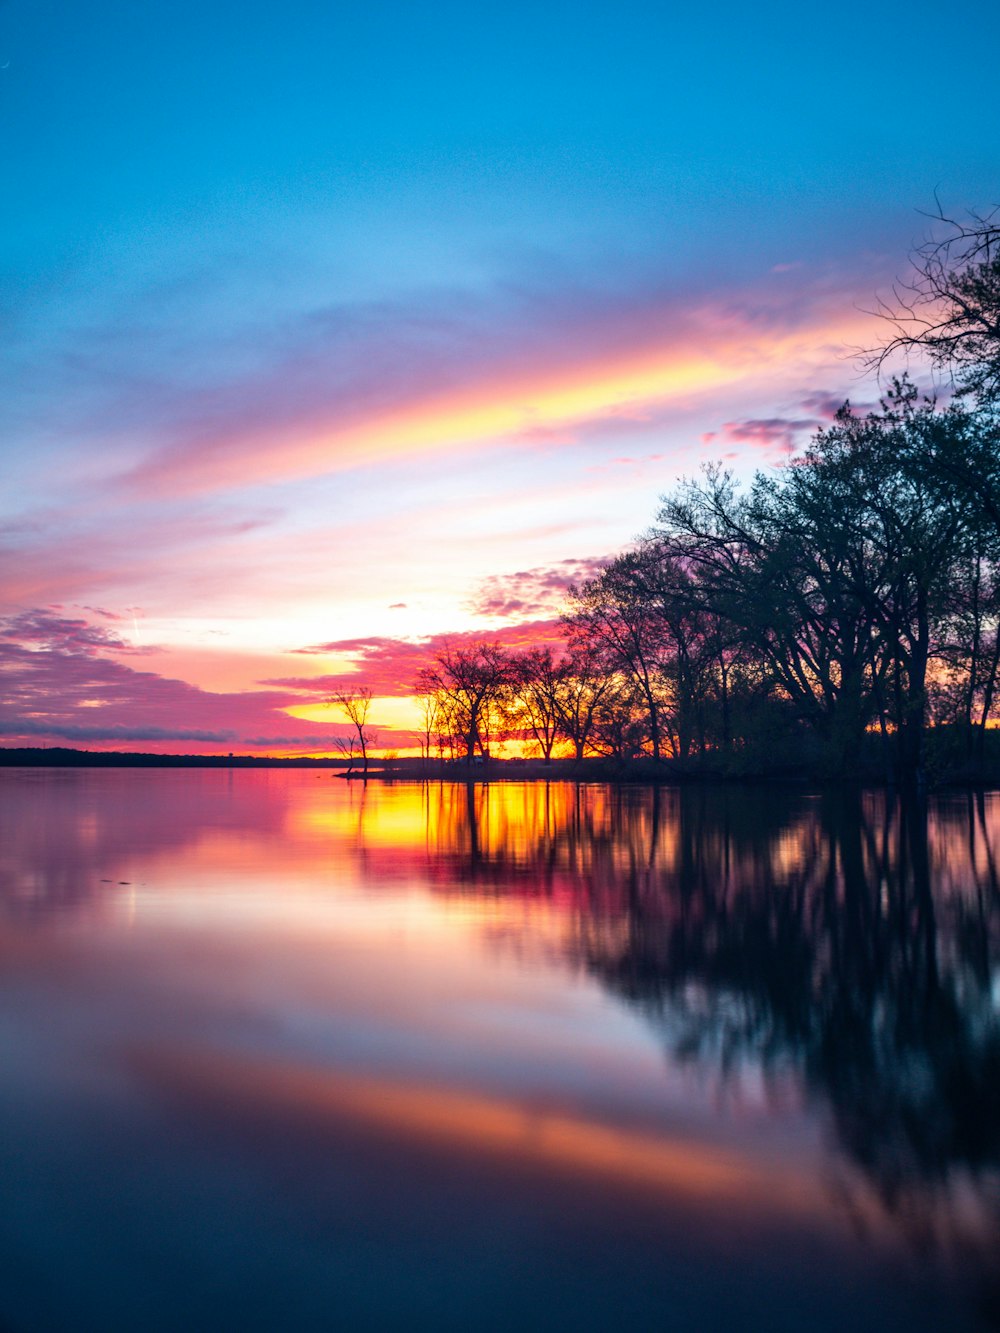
{"points": [[667, 772]]}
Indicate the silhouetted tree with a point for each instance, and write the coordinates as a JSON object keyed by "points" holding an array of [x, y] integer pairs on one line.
{"points": [[583, 683], [837, 571], [354, 704], [536, 679], [963, 692], [613, 611], [949, 308], [471, 686], [430, 717], [788, 565]]}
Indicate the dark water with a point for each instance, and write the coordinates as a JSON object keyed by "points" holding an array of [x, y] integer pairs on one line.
{"points": [[284, 1053]]}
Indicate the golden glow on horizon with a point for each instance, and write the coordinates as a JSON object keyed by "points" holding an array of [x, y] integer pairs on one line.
{"points": [[393, 711]]}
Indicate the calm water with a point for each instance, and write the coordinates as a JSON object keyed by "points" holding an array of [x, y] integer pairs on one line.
{"points": [[280, 1052]]}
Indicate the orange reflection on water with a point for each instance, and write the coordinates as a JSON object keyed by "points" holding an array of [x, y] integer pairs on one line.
{"points": [[455, 1121]]}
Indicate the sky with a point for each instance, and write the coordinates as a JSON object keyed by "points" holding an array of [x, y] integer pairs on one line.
{"points": [[335, 331]]}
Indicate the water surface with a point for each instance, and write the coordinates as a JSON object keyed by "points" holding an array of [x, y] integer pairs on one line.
{"points": [[285, 1052]]}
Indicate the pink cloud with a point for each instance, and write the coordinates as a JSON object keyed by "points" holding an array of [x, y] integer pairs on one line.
{"points": [[390, 666], [533, 592], [45, 629], [769, 433], [59, 686], [823, 404]]}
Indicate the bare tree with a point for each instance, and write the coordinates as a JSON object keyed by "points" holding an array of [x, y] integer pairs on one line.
{"points": [[470, 686], [949, 307], [537, 680], [347, 748], [613, 610], [584, 682], [354, 704], [431, 724]]}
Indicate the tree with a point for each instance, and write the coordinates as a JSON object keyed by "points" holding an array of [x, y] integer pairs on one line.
{"points": [[837, 570], [917, 526], [614, 611], [431, 724], [470, 685], [354, 704], [620, 727], [347, 748], [949, 308], [787, 566], [535, 692], [583, 683], [965, 685]]}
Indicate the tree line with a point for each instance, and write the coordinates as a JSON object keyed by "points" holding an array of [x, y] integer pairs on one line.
{"points": [[843, 606]]}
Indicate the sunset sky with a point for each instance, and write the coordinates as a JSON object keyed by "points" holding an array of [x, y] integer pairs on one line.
{"points": [[335, 329]]}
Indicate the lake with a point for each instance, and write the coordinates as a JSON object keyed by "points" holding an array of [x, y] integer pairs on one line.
{"points": [[286, 1052]]}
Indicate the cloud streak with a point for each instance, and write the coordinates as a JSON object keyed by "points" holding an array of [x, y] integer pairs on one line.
{"points": [[23, 727], [536, 353], [553, 402]]}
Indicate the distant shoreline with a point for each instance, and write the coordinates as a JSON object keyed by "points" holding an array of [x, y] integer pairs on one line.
{"points": [[60, 757], [397, 769], [592, 769]]}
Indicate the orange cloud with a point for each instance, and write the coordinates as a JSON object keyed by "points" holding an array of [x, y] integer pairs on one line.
{"points": [[713, 352]]}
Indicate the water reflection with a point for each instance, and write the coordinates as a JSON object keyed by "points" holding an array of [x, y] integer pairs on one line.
{"points": [[854, 939], [840, 952], [64, 831]]}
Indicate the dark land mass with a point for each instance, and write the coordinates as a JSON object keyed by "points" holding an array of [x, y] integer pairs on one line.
{"points": [[60, 757], [947, 766]]}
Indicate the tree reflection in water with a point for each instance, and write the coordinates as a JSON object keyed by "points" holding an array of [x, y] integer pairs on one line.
{"points": [[850, 940]]}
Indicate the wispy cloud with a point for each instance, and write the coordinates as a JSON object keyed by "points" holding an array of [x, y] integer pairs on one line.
{"points": [[534, 354]]}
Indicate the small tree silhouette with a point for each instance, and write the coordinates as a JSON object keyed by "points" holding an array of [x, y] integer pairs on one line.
{"points": [[354, 704]]}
